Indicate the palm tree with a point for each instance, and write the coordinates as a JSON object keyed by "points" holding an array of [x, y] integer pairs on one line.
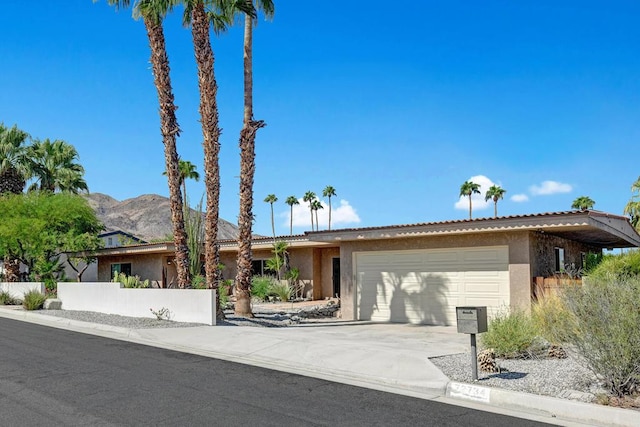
{"points": [[271, 199], [291, 200], [13, 171], [54, 167], [315, 206], [309, 197], [329, 191], [632, 208], [468, 189], [495, 192], [187, 171], [583, 203], [250, 127], [152, 13], [13, 161]]}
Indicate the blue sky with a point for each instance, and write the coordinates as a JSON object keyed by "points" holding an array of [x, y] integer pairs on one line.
{"points": [[395, 104]]}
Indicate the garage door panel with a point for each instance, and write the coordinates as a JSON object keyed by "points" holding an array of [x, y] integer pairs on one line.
{"points": [[425, 286]]}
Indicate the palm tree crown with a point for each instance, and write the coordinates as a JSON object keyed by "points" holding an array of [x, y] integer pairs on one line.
{"points": [[315, 206], [495, 193], [583, 203], [54, 167], [14, 166], [468, 189]]}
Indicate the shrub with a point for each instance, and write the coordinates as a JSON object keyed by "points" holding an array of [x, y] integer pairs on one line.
{"points": [[261, 287], [282, 290], [7, 299], [198, 282], [130, 281], [33, 300], [619, 266], [607, 314], [552, 319], [511, 334], [223, 292]]}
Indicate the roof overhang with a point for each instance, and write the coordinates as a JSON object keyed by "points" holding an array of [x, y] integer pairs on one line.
{"points": [[589, 227]]}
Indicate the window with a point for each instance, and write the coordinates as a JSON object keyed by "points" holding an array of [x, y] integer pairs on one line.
{"points": [[121, 268], [559, 252], [109, 242], [259, 268]]}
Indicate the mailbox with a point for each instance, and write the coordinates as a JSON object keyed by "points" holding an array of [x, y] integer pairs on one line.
{"points": [[471, 320]]}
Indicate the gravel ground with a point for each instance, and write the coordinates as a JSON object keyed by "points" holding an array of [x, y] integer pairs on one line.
{"points": [[565, 378], [263, 318]]}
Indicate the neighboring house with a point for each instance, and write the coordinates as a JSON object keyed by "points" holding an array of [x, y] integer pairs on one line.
{"points": [[416, 273], [111, 239]]}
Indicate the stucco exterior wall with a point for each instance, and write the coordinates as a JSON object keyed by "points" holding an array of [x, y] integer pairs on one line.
{"points": [[147, 266], [300, 258], [519, 261], [543, 253]]}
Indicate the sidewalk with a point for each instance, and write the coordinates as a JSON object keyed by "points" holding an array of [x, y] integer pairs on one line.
{"points": [[386, 357]]}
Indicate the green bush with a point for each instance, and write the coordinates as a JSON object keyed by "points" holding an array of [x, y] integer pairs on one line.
{"points": [[33, 300], [606, 329], [7, 299], [619, 266], [198, 282], [282, 290], [511, 334], [261, 287]]}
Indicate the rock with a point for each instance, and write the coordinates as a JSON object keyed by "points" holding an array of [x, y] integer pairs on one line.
{"points": [[52, 304]]}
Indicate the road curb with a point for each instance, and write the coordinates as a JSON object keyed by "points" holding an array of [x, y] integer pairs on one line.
{"points": [[588, 413]]}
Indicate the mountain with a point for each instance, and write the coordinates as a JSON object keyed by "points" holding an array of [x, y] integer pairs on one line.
{"points": [[147, 216]]}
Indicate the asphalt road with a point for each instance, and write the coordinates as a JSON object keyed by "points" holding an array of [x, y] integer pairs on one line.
{"points": [[55, 377]]}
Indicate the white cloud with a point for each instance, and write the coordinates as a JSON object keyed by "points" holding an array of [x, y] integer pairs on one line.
{"points": [[341, 214], [550, 187], [519, 198], [477, 200]]}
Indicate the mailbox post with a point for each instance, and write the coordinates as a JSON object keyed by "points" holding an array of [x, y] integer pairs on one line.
{"points": [[472, 320]]}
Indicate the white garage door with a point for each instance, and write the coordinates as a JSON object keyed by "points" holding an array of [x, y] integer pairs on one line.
{"points": [[425, 286]]}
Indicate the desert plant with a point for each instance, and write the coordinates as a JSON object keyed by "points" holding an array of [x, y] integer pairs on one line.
{"points": [[223, 292], [33, 300], [293, 277], [551, 318], [261, 287], [606, 313], [130, 281], [511, 334], [198, 282], [162, 314], [282, 290], [7, 299]]}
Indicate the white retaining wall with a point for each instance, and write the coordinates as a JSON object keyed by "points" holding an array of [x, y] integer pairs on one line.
{"points": [[185, 305], [18, 289]]}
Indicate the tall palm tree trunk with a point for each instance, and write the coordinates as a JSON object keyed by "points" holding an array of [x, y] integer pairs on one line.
{"points": [[247, 172], [291, 222], [470, 210], [495, 209], [211, 136], [170, 131], [329, 213]]}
